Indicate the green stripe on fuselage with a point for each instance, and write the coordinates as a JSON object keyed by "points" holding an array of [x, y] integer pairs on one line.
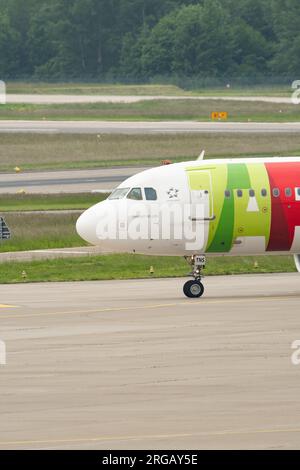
{"points": [[223, 236]]}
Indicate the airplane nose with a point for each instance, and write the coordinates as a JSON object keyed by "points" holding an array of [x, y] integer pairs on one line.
{"points": [[93, 223], [86, 226]]}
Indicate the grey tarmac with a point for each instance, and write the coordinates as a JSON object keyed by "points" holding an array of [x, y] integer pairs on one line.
{"points": [[133, 364], [147, 127], [66, 181], [88, 99], [54, 253]]}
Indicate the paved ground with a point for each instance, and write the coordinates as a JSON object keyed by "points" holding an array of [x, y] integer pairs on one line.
{"points": [[50, 254], [148, 127], [65, 99], [69, 181], [133, 364]]}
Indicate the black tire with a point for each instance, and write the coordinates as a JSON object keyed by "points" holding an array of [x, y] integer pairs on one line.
{"points": [[193, 289]]}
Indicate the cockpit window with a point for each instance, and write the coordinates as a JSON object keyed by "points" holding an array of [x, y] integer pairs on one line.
{"points": [[118, 193], [135, 194], [151, 194]]}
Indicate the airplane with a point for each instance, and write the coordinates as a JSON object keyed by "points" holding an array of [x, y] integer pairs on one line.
{"points": [[223, 207]]}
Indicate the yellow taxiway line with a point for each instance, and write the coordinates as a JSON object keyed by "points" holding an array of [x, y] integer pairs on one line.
{"points": [[193, 303], [203, 434], [7, 306]]}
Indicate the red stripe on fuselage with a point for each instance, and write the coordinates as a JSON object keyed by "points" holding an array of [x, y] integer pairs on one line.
{"points": [[285, 210]]}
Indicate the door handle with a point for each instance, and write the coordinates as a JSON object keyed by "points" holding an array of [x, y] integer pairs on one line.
{"points": [[205, 219]]}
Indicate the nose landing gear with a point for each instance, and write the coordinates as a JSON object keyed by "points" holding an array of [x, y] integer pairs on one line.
{"points": [[195, 289]]}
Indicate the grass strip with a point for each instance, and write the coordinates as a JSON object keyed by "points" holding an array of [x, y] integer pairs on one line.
{"points": [[124, 266], [77, 151], [48, 202], [154, 110]]}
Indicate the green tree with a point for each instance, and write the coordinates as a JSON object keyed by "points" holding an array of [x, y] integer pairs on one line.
{"points": [[10, 61], [286, 20], [194, 39], [251, 51], [61, 39]]}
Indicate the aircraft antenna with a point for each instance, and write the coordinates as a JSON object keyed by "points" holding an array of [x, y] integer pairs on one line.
{"points": [[202, 155]]}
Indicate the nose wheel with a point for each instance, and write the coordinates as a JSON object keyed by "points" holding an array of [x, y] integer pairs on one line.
{"points": [[194, 289]]}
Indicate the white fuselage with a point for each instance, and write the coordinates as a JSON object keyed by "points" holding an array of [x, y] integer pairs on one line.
{"points": [[185, 209]]}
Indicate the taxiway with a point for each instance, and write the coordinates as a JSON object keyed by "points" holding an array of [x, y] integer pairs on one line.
{"points": [[148, 127], [133, 364]]}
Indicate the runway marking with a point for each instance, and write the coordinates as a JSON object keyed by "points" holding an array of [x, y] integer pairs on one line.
{"points": [[7, 306], [87, 312], [200, 303], [154, 436]]}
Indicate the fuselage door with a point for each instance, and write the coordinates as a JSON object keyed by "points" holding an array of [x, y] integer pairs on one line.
{"points": [[201, 205], [201, 196]]}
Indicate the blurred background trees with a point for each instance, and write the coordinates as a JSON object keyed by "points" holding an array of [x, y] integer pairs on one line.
{"points": [[143, 39]]}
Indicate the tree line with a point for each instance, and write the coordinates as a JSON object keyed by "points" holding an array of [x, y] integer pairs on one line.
{"points": [[144, 39]]}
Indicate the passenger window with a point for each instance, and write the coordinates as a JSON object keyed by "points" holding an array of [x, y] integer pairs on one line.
{"points": [[297, 191], [264, 193], [228, 194], [239, 193], [276, 192], [151, 194], [135, 194], [288, 192], [252, 193]]}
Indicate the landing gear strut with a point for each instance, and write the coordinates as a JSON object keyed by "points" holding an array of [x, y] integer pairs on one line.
{"points": [[195, 289]]}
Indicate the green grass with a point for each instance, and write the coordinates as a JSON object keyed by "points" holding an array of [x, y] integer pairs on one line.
{"points": [[157, 110], [41, 231], [269, 91], [55, 152], [153, 90], [48, 202], [133, 267], [93, 89]]}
